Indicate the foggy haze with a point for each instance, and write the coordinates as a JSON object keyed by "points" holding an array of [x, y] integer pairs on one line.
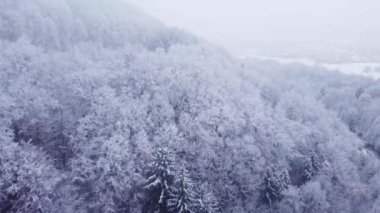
{"points": [[241, 23]]}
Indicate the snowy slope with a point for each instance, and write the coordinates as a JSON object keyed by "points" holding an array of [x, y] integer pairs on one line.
{"points": [[61, 24], [104, 109]]}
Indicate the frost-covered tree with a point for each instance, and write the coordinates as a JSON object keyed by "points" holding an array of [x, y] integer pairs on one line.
{"points": [[313, 198], [160, 178], [311, 167], [208, 202], [28, 180], [273, 185], [183, 195]]}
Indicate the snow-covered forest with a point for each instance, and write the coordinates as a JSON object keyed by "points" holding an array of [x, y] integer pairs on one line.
{"points": [[105, 109]]}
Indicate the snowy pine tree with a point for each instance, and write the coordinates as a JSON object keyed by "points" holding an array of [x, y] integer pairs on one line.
{"points": [[273, 186], [183, 196], [285, 179], [159, 180], [311, 168]]}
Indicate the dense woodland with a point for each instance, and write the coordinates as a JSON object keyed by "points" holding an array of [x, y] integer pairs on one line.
{"points": [[105, 109]]}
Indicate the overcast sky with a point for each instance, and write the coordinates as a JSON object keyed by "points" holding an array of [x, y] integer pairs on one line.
{"points": [[236, 22]]}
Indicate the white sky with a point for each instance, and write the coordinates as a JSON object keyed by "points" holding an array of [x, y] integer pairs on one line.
{"points": [[237, 22]]}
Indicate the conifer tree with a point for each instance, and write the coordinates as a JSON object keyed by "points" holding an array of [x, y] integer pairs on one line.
{"points": [[159, 181], [285, 179], [273, 186], [183, 196], [311, 168]]}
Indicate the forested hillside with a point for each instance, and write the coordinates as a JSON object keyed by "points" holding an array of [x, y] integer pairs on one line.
{"points": [[105, 109]]}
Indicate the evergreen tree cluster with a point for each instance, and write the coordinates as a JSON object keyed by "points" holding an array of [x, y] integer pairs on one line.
{"points": [[311, 167], [273, 186], [169, 188]]}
